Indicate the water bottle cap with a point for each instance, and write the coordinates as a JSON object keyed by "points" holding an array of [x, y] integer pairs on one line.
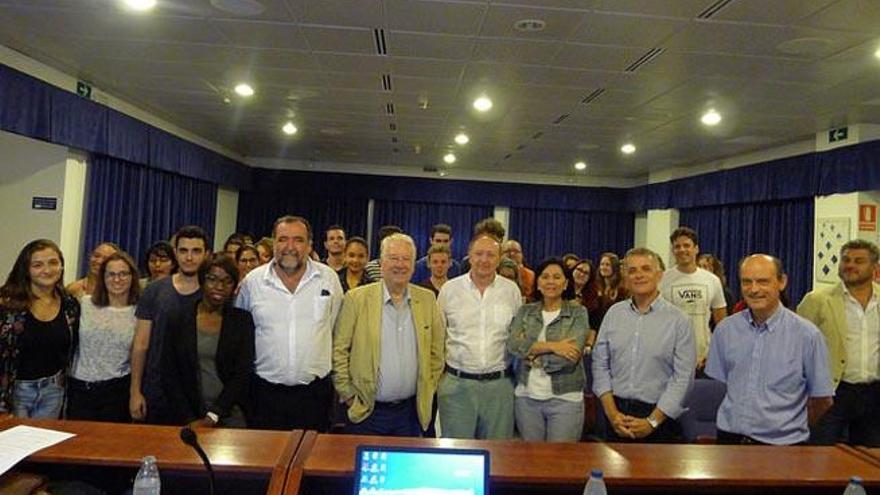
{"points": [[596, 473], [856, 480], [149, 459]]}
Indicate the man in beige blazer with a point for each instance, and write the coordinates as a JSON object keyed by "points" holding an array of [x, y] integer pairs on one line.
{"points": [[849, 317], [388, 348]]}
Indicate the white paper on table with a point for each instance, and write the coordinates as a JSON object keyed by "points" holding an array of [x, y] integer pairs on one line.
{"points": [[21, 441]]}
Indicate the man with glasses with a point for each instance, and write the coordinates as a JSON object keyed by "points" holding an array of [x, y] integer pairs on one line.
{"points": [[388, 349]]}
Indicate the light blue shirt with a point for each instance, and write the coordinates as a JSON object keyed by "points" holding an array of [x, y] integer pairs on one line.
{"points": [[770, 371], [398, 356], [648, 357]]}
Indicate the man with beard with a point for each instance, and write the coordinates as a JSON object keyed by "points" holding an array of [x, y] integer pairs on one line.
{"points": [[294, 301], [146, 398], [849, 317]]}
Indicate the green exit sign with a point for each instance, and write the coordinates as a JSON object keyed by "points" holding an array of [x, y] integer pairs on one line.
{"points": [[84, 89], [837, 135]]}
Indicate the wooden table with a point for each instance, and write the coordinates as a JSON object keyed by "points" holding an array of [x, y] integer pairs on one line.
{"points": [[233, 453], [628, 467]]}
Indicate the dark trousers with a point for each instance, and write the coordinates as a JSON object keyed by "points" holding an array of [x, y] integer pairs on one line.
{"points": [[284, 407], [668, 432], [853, 418], [99, 401], [395, 419], [727, 438]]}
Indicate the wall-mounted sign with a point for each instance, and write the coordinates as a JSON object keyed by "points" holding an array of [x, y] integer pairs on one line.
{"points": [[868, 218], [44, 203]]}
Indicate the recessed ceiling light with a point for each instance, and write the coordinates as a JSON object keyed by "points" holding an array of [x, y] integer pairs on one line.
{"points": [[244, 89], [449, 158], [483, 104], [289, 129], [462, 138], [580, 166], [877, 53], [140, 5], [711, 117], [628, 149]]}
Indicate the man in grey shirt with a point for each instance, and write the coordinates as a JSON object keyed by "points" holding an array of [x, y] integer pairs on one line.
{"points": [[644, 358]]}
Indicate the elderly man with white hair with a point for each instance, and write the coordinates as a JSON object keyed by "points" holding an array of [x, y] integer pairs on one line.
{"points": [[388, 349]]}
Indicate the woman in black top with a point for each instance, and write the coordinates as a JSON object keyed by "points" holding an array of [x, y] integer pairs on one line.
{"points": [[209, 355], [357, 254], [39, 325]]}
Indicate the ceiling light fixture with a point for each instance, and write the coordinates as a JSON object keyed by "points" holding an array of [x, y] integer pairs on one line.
{"points": [[289, 129], [244, 89], [877, 53], [628, 149], [711, 117], [449, 158], [462, 139], [140, 5], [580, 166], [483, 104]]}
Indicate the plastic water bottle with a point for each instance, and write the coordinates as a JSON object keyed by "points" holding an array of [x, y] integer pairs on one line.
{"points": [[147, 481], [854, 487], [596, 484]]}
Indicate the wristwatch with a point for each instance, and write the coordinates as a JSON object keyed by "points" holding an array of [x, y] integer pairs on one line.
{"points": [[653, 422], [213, 417]]}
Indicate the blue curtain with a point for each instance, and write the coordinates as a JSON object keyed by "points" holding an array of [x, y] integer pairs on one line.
{"points": [[258, 211], [545, 233], [135, 205], [416, 219], [781, 228]]}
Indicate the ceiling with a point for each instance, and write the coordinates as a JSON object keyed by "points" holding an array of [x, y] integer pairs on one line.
{"points": [[601, 73]]}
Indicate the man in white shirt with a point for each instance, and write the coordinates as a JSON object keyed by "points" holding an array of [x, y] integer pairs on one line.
{"points": [[693, 290], [848, 315], [476, 393], [294, 302]]}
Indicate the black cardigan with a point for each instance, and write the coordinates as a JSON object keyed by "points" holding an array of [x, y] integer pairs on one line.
{"points": [[235, 362]]}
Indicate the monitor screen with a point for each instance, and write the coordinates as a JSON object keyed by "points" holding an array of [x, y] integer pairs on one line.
{"points": [[421, 471]]}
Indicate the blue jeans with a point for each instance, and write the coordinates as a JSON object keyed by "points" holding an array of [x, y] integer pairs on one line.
{"points": [[552, 420], [40, 398]]}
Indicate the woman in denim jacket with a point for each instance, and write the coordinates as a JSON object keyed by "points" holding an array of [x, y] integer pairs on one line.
{"points": [[547, 339], [39, 324]]}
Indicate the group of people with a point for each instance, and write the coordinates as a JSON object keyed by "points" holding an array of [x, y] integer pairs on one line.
{"points": [[266, 335]]}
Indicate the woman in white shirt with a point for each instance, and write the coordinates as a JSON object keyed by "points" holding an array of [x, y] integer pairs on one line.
{"points": [[547, 338], [101, 372]]}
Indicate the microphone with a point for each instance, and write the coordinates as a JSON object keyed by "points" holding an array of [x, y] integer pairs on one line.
{"points": [[188, 436]]}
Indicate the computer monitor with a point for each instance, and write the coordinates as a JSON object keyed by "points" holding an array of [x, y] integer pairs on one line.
{"points": [[420, 471]]}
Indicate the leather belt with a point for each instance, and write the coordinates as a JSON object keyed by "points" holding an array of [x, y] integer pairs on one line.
{"points": [[478, 376]]}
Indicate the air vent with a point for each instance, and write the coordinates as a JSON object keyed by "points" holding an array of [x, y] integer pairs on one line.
{"points": [[429, 169], [713, 9], [386, 82], [520, 147], [592, 96], [644, 59], [389, 108], [537, 135], [560, 118], [379, 35], [393, 139], [392, 126]]}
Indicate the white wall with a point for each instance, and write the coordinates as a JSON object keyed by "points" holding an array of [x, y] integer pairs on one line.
{"points": [[660, 224], [640, 230], [73, 213], [226, 218], [28, 168], [845, 206]]}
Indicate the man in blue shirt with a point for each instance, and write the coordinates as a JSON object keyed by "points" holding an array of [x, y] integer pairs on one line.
{"points": [[644, 358], [441, 235], [774, 362]]}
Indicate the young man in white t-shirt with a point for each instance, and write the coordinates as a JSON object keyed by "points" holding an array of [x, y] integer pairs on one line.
{"points": [[695, 291]]}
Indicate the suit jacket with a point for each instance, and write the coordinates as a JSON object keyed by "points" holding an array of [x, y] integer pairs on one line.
{"points": [[356, 348], [235, 362], [825, 308]]}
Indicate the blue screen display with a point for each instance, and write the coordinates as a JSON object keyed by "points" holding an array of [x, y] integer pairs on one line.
{"points": [[420, 473]]}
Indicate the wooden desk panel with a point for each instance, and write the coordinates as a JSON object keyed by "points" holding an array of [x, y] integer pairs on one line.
{"points": [[648, 466], [110, 444]]}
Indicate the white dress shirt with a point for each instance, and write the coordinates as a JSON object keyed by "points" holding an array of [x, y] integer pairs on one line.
{"points": [[477, 324], [294, 331], [862, 340]]}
